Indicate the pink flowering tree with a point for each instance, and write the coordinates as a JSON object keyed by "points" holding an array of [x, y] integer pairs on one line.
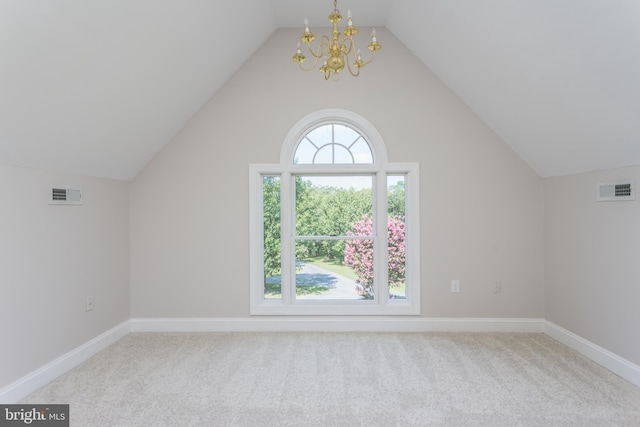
{"points": [[358, 254]]}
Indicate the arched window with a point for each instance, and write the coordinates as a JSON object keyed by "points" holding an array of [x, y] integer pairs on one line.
{"points": [[334, 226], [332, 144]]}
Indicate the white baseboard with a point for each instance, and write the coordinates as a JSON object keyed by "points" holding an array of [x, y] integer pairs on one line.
{"points": [[30, 383], [336, 324], [603, 357], [38, 378]]}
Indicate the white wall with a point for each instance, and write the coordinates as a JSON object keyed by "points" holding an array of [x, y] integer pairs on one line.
{"points": [[592, 257], [51, 259], [481, 206]]}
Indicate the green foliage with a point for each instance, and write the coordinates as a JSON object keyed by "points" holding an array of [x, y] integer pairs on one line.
{"points": [[327, 211], [271, 208], [396, 200]]}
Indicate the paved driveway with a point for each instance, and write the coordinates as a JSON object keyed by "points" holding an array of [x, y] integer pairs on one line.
{"points": [[339, 286]]}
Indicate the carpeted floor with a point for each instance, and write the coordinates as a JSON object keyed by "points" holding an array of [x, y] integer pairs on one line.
{"points": [[342, 379]]}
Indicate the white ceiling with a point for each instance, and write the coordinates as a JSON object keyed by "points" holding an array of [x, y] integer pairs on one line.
{"points": [[98, 87]]}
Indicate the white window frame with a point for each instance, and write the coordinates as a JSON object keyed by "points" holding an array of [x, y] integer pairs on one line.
{"points": [[286, 170]]}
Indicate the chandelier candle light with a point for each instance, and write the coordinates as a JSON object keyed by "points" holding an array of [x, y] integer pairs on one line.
{"points": [[337, 50]]}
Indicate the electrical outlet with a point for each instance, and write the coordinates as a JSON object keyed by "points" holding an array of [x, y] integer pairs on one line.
{"points": [[497, 287], [88, 306], [455, 286]]}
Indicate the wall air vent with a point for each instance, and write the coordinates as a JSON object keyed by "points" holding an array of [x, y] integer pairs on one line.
{"points": [[65, 196], [616, 190]]}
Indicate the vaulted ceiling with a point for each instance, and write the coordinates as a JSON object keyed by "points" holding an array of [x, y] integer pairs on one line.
{"points": [[98, 87]]}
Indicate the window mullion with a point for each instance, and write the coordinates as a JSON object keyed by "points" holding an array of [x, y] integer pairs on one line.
{"points": [[258, 223], [412, 234], [381, 253], [286, 221], [333, 144]]}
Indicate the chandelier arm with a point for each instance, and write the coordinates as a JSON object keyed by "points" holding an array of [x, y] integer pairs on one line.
{"points": [[373, 55], [353, 73], [315, 62], [323, 47], [348, 60], [356, 74], [351, 47]]}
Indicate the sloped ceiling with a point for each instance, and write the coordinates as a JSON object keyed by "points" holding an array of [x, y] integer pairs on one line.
{"points": [[98, 87]]}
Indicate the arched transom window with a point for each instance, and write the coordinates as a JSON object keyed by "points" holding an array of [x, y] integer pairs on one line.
{"points": [[331, 144], [334, 226]]}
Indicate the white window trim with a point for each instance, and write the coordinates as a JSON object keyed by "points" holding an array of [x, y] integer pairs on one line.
{"points": [[381, 305]]}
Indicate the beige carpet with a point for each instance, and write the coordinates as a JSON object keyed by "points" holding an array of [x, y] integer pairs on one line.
{"points": [[342, 379]]}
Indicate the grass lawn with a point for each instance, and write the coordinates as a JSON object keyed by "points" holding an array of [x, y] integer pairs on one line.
{"points": [[398, 291], [334, 266], [273, 290]]}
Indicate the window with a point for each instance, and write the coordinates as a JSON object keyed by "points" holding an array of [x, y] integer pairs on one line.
{"points": [[334, 226]]}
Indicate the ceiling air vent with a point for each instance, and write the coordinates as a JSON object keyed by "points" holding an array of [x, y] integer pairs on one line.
{"points": [[65, 196], [617, 190]]}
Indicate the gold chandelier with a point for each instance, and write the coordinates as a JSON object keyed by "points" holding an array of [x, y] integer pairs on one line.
{"points": [[337, 50]]}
